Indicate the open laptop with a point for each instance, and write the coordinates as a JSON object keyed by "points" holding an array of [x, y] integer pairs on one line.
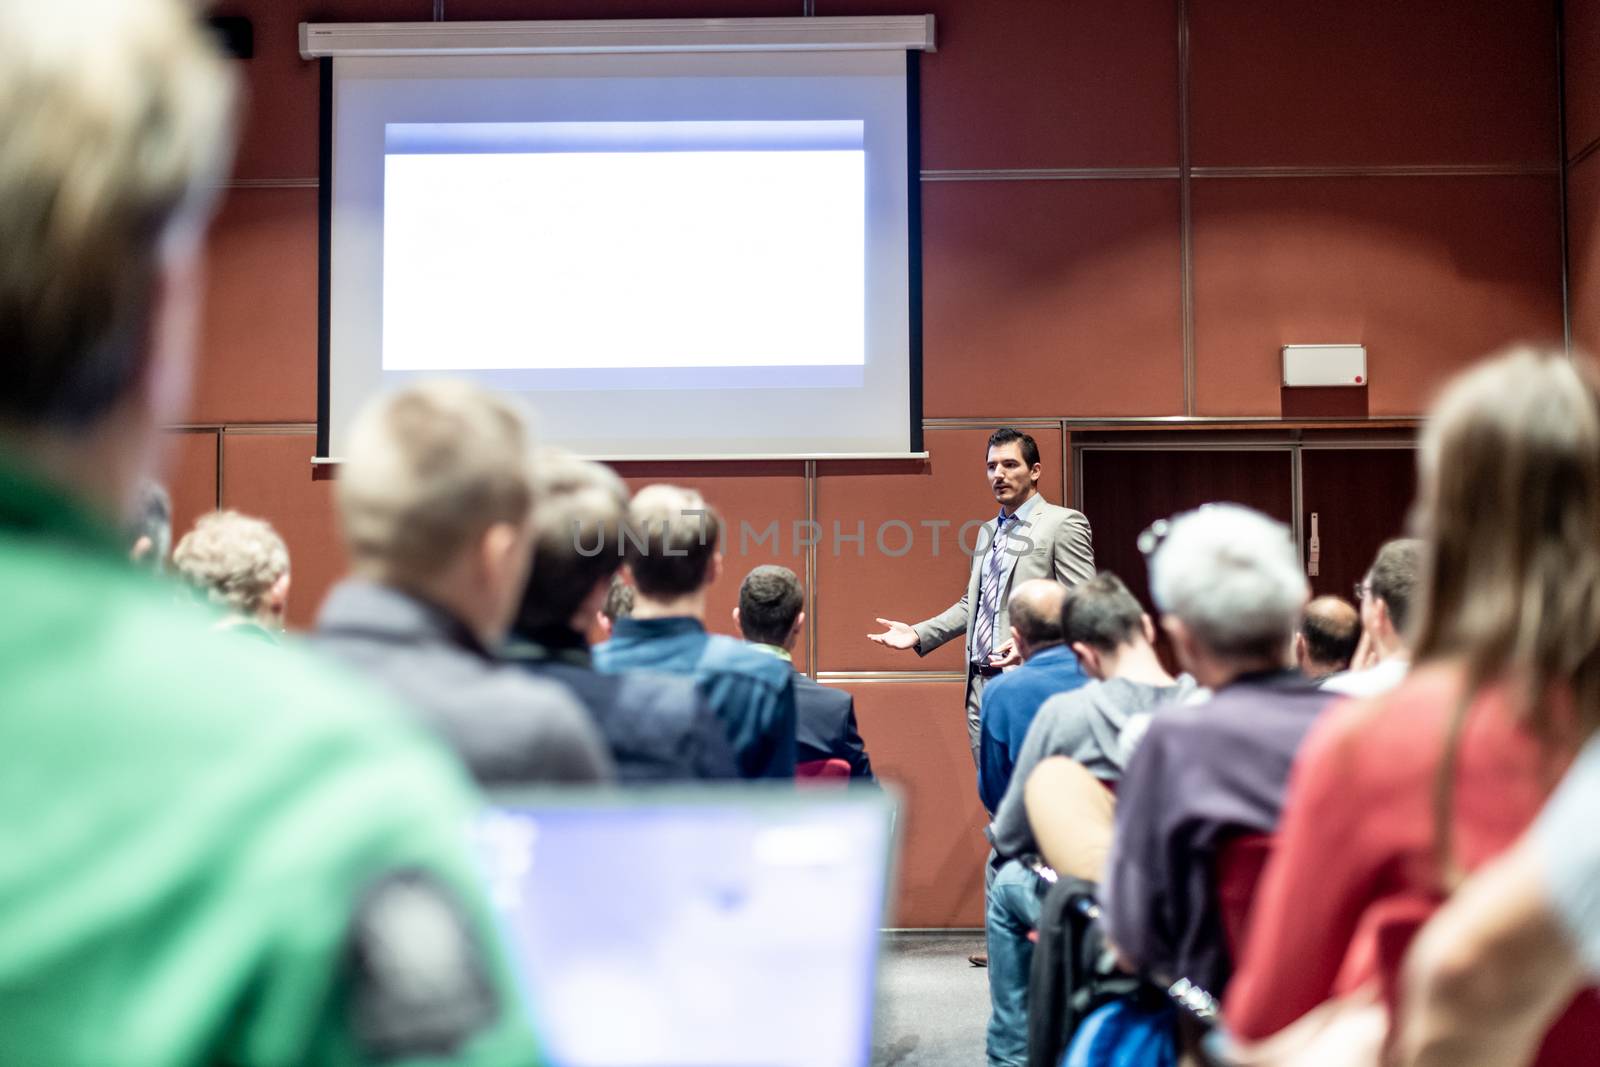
{"points": [[694, 927]]}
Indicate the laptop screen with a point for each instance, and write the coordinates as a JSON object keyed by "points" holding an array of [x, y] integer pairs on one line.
{"points": [[721, 929]]}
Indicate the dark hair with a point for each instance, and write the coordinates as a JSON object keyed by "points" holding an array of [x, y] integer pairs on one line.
{"points": [[1393, 577], [770, 598], [669, 541], [1331, 634], [619, 599], [152, 518], [1102, 614], [1005, 435], [577, 526]]}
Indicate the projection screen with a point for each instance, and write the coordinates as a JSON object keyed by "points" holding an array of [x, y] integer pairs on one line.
{"points": [[666, 254]]}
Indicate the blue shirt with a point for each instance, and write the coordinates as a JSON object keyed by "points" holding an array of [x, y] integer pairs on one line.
{"points": [[750, 692], [1010, 702]]}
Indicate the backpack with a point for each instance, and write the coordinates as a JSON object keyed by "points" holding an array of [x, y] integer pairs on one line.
{"points": [[1126, 1033], [1072, 973]]}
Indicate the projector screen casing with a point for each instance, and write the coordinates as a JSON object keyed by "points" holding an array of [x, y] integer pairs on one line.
{"points": [[883, 418]]}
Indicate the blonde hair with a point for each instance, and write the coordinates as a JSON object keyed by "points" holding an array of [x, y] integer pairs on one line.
{"points": [[1508, 508], [672, 534], [234, 559], [116, 118], [427, 470]]}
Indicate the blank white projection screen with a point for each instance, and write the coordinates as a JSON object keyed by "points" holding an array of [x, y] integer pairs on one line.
{"points": [[664, 255]]}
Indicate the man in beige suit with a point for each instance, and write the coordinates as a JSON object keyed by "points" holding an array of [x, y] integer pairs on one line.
{"points": [[1035, 539]]}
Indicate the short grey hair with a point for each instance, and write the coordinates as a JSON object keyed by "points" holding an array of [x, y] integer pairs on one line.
{"points": [[1232, 575], [233, 559]]}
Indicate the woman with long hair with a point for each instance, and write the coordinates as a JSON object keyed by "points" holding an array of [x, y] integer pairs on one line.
{"points": [[1395, 798]]}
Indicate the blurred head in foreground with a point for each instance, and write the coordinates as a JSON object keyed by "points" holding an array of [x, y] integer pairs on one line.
{"points": [[115, 117], [436, 497], [240, 564], [581, 508], [1229, 586], [1508, 506]]}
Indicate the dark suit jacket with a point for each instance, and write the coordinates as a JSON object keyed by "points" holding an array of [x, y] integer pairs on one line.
{"points": [[658, 725], [507, 728], [825, 720]]}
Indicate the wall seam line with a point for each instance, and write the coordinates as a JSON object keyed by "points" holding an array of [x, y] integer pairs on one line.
{"points": [[1185, 216]]}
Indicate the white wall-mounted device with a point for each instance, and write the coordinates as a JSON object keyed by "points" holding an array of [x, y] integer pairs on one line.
{"points": [[1324, 365]]}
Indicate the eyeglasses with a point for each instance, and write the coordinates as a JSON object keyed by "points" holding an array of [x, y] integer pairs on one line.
{"points": [[1153, 535]]}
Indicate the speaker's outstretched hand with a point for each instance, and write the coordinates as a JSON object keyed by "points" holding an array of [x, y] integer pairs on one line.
{"points": [[896, 635]]}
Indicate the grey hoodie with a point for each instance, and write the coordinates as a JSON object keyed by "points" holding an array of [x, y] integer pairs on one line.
{"points": [[1090, 725]]}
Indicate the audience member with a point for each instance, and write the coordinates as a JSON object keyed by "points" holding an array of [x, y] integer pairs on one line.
{"points": [[435, 499], [149, 531], [1011, 700], [770, 618], [241, 565], [657, 725], [1231, 591], [1386, 594], [671, 544], [1113, 639], [215, 851], [1394, 798], [1491, 972], [1330, 630], [1102, 625], [618, 605]]}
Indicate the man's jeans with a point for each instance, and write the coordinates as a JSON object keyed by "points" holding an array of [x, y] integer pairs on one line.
{"points": [[1011, 913]]}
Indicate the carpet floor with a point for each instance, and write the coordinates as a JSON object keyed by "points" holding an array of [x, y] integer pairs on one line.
{"points": [[932, 1004]]}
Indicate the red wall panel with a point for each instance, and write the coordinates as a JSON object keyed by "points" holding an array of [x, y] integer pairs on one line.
{"points": [[1041, 83], [853, 590], [258, 340], [1581, 40], [279, 138], [1429, 273], [269, 476], [1583, 232], [1372, 81], [190, 478], [750, 497], [1051, 298], [916, 734]]}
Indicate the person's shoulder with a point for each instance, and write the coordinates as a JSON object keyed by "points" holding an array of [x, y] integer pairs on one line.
{"points": [[727, 655], [159, 668], [663, 695], [507, 687], [824, 695], [1003, 682], [1064, 710], [1046, 512]]}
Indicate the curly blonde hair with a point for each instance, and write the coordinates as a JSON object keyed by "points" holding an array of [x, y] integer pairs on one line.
{"points": [[234, 559]]}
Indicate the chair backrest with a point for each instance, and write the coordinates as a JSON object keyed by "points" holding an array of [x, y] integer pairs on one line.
{"points": [[826, 769], [1240, 863]]}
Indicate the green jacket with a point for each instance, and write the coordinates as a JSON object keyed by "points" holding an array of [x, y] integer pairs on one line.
{"points": [[215, 851]]}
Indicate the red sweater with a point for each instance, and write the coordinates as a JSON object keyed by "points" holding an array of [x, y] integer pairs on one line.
{"points": [[1354, 869]]}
